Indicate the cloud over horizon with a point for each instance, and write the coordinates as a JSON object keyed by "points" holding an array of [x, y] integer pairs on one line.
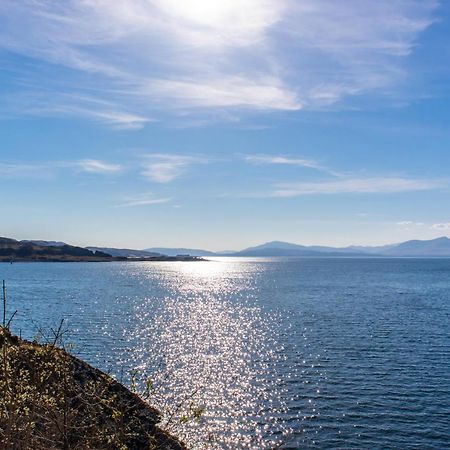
{"points": [[376, 185], [145, 199], [45, 169]]}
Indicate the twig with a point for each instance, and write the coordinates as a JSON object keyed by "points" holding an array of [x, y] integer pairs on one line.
{"points": [[4, 304], [10, 319], [57, 332]]}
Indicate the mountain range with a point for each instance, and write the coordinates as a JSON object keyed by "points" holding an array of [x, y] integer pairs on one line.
{"points": [[439, 247]]}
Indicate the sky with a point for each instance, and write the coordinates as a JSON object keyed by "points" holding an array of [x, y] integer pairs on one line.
{"points": [[224, 124]]}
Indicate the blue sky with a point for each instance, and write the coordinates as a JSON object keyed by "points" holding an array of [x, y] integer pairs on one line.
{"points": [[221, 125]]}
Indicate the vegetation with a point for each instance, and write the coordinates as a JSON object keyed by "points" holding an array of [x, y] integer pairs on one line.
{"points": [[12, 251], [52, 400]]}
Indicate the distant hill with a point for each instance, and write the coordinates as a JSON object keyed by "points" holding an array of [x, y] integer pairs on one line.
{"points": [[279, 248], [377, 250], [12, 250], [435, 247], [439, 247], [124, 252], [181, 251]]}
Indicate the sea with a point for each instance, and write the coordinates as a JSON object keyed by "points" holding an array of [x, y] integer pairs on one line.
{"points": [[259, 353]]}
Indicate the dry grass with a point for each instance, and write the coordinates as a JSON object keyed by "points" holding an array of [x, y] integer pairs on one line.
{"points": [[51, 400]]}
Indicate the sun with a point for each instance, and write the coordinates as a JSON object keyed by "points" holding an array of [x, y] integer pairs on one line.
{"points": [[204, 12]]}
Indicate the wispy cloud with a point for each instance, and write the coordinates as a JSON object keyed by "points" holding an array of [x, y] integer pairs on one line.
{"points": [[77, 105], [49, 168], [24, 170], [260, 55], [96, 166], [226, 92], [145, 199], [356, 186], [162, 168], [288, 161], [441, 226], [409, 224], [114, 117]]}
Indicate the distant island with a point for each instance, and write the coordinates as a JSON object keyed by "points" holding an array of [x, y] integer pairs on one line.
{"points": [[12, 250]]}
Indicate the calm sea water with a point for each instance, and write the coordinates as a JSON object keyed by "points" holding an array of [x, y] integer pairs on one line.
{"points": [[301, 353]]}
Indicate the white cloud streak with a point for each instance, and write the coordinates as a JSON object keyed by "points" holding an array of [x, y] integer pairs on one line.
{"points": [[80, 105], [162, 168], [96, 166], [117, 119], [441, 226], [23, 170], [224, 92], [288, 161], [267, 159], [409, 224], [143, 200], [49, 168], [356, 186], [260, 55]]}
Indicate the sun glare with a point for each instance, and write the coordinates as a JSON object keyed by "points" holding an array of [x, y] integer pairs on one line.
{"points": [[209, 13]]}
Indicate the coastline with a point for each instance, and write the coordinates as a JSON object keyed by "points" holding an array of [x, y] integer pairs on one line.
{"points": [[69, 259], [51, 397], [12, 251]]}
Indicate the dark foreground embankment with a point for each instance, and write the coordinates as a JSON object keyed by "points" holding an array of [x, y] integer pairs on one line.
{"points": [[52, 400]]}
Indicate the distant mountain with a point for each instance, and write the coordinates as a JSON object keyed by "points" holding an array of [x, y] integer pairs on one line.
{"points": [[279, 248], [124, 252], [275, 248], [439, 247], [278, 245], [435, 247], [377, 250], [182, 251]]}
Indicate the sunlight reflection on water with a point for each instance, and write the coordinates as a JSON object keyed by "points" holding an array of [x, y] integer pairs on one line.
{"points": [[209, 350], [214, 350]]}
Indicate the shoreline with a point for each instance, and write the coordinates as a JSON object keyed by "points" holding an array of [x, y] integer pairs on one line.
{"points": [[112, 259], [52, 397]]}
